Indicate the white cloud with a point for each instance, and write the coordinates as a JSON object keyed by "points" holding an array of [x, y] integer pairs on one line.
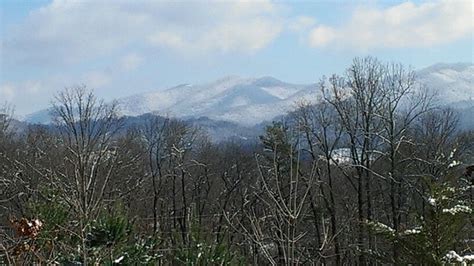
{"points": [[223, 26], [301, 23], [7, 92], [26, 89], [32, 86], [131, 61], [399, 26], [96, 79], [31, 95], [322, 36], [24, 95], [71, 31]]}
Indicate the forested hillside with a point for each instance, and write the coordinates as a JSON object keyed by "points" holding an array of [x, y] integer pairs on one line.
{"points": [[375, 173]]}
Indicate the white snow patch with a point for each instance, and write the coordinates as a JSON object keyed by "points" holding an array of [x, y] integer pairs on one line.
{"points": [[432, 202], [281, 92], [413, 231], [454, 163], [458, 209], [381, 228], [118, 260], [453, 256]]}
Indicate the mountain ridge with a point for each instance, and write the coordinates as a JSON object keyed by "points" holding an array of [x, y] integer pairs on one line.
{"points": [[250, 101], [233, 99]]}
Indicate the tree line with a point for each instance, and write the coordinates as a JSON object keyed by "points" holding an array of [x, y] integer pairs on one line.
{"points": [[375, 172]]}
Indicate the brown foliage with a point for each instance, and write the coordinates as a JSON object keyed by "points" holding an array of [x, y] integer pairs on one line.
{"points": [[27, 228]]}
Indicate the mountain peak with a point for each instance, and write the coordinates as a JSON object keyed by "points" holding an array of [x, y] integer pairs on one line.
{"points": [[458, 67], [268, 81], [249, 101], [246, 101], [452, 83], [228, 78]]}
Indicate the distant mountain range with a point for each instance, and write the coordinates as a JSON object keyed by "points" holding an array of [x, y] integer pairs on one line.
{"points": [[247, 102], [454, 83]]}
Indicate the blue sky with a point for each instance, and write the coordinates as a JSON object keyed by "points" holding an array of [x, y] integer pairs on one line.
{"points": [[119, 48]]}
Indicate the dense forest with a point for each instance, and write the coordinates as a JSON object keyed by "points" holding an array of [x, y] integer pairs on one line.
{"points": [[375, 173]]}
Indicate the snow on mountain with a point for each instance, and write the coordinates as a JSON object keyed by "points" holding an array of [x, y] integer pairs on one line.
{"points": [[453, 83], [249, 101], [39, 117], [246, 101]]}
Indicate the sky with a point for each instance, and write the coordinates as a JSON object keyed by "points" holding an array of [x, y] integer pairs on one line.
{"points": [[123, 47]]}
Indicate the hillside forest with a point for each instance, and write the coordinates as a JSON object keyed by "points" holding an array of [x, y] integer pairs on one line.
{"points": [[375, 173]]}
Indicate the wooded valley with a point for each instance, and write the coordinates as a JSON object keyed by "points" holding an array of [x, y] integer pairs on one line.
{"points": [[375, 173]]}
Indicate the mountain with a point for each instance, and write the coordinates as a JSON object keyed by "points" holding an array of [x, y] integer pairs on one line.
{"points": [[217, 131], [247, 102], [453, 83], [39, 117]]}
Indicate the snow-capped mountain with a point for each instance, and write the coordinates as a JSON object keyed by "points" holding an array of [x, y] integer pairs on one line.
{"points": [[246, 101], [250, 101], [453, 83]]}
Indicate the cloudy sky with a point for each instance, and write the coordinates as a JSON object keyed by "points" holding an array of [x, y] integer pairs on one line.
{"points": [[121, 47]]}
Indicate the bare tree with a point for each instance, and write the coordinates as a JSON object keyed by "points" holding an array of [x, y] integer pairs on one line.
{"points": [[402, 103], [366, 174], [322, 134], [87, 127], [154, 133], [276, 210], [358, 97], [6, 114], [7, 164]]}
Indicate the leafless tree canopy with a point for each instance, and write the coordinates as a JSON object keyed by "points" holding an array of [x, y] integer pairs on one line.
{"points": [[374, 173]]}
